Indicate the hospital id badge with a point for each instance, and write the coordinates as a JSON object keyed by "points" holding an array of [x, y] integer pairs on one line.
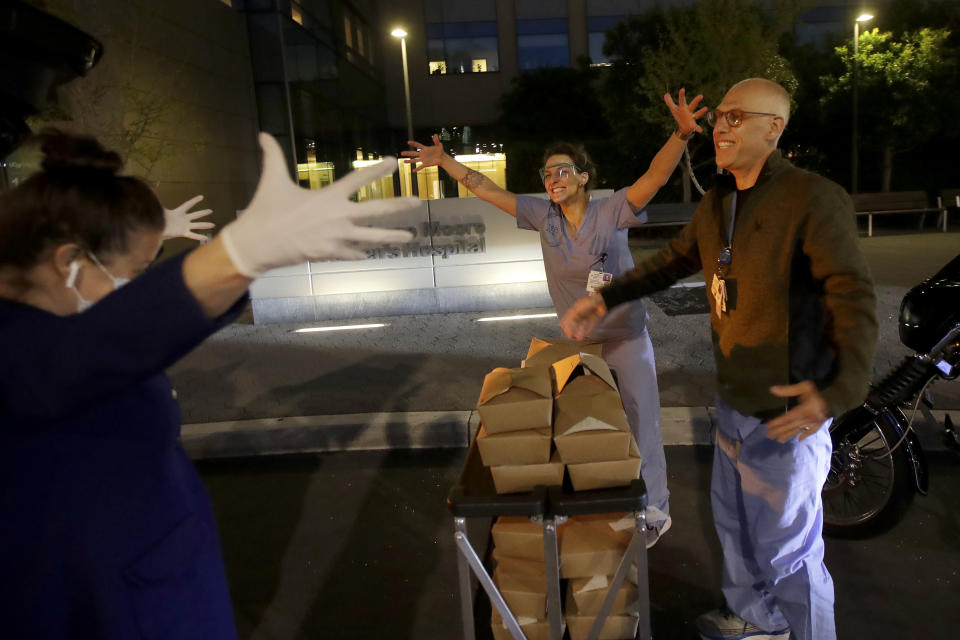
{"points": [[598, 279], [719, 291]]}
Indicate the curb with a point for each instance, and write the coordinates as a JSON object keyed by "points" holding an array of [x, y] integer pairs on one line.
{"points": [[413, 430]]}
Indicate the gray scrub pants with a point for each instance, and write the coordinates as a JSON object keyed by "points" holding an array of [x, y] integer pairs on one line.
{"points": [[632, 359]]}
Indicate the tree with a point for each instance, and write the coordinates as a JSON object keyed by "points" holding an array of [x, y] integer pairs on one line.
{"points": [[901, 83], [125, 101], [544, 106], [706, 47]]}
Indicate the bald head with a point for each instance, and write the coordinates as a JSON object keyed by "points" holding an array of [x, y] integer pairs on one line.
{"points": [[742, 147], [763, 95]]}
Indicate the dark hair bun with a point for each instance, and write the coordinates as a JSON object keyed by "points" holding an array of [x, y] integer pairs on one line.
{"points": [[65, 152]]}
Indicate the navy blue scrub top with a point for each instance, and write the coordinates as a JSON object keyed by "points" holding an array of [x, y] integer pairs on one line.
{"points": [[105, 528]]}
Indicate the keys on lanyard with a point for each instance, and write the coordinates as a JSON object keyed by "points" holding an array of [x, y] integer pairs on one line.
{"points": [[719, 286]]}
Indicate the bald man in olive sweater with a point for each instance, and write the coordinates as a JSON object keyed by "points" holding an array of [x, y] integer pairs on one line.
{"points": [[794, 330]]}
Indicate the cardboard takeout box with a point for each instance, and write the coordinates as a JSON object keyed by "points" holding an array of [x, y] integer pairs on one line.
{"points": [[516, 399], [591, 547], [530, 446], [608, 473], [525, 591], [515, 478], [516, 537], [615, 627], [591, 428], [532, 629], [590, 600], [583, 365], [547, 351]]}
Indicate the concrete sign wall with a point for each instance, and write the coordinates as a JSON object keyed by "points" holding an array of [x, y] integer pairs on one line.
{"points": [[465, 255]]}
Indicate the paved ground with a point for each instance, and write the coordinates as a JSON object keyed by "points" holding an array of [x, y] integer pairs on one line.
{"points": [[360, 545], [437, 362]]}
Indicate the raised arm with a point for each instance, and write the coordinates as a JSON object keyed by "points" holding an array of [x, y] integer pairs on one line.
{"points": [[480, 185], [664, 163]]}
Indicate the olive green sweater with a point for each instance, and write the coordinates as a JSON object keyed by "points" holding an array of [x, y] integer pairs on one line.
{"points": [[801, 304]]}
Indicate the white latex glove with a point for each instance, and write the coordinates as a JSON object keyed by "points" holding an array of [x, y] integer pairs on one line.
{"points": [[285, 224], [180, 222]]}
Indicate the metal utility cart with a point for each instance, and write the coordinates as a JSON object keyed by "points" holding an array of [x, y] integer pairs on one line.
{"points": [[474, 496]]}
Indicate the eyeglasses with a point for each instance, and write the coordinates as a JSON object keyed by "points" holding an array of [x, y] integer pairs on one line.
{"points": [[560, 171], [734, 117]]}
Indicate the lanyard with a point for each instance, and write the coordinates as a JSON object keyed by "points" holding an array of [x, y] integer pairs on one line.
{"points": [[726, 254], [733, 217]]}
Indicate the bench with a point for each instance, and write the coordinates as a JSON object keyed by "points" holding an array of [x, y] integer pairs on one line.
{"points": [[948, 198], [871, 204], [670, 214]]}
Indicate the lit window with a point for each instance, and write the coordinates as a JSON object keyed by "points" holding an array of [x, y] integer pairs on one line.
{"points": [[360, 41], [479, 66], [438, 67], [377, 190], [315, 175], [490, 165], [347, 31], [296, 14], [460, 33], [229, 3]]}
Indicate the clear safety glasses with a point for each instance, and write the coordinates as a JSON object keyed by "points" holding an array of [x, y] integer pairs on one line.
{"points": [[560, 171]]}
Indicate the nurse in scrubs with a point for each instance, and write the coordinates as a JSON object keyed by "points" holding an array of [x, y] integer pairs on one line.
{"points": [[584, 243], [106, 531]]}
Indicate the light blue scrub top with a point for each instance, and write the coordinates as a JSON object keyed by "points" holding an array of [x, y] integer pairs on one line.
{"points": [[568, 259]]}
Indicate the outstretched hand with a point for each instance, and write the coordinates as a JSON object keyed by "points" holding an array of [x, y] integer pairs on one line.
{"points": [[426, 155], [285, 224], [803, 420], [181, 222], [583, 316], [685, 114]]}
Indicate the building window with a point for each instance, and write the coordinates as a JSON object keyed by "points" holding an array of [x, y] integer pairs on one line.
{"points": [[597, 27], [315, 175], [347, 31], [542, 35], [461, 36]]}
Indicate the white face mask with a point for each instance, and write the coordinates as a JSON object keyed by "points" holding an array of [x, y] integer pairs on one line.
{"points": [[82, 303]]}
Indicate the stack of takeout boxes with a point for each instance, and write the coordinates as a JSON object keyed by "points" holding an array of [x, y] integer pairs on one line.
{"points": [[520, 575], [516, 414], [590, 552], [561, 409], [590, 427]]}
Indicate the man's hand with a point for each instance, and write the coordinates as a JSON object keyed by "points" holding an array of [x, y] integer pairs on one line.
{"points": [[685, 114], [803, 420], [427, 156], [583, 316]]}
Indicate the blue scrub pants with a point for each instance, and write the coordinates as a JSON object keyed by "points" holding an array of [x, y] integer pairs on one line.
{"points": [[633, 361], [769, 517]]}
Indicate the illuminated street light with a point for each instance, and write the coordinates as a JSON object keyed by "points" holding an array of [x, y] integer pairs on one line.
{"points": [[402, 34], [854, 157]]}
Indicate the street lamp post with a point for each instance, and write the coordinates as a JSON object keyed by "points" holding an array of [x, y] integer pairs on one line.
{"points": [[402, 34], [854, 157]]}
